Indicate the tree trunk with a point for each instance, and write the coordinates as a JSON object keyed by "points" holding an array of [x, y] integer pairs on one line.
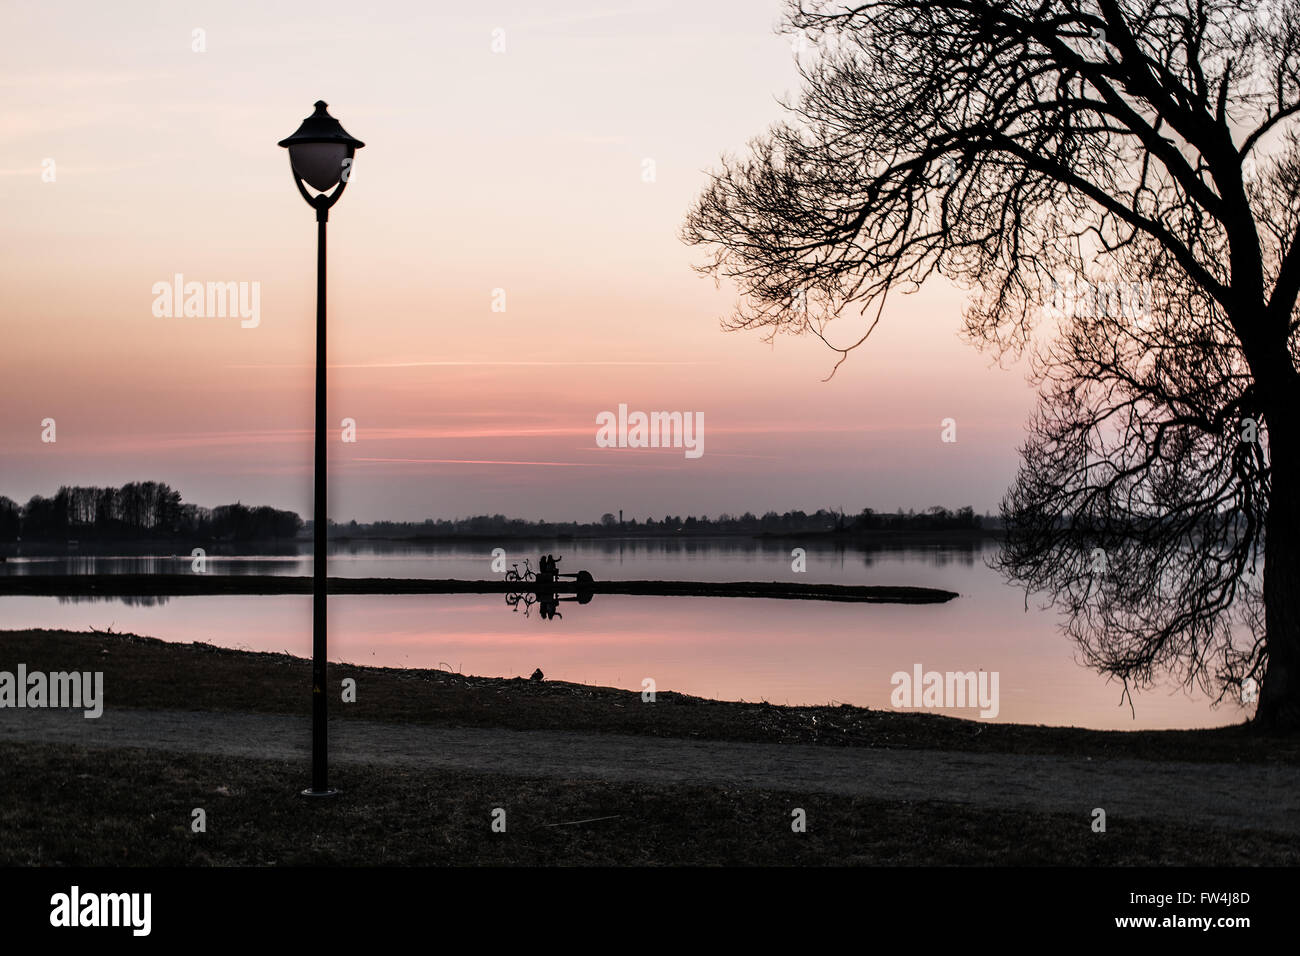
{"points": [[1279, 694]]}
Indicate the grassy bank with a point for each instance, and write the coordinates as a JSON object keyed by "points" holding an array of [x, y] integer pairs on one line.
{"points": [[149, 673]]}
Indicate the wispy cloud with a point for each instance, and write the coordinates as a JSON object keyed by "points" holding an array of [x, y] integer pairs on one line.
{"points": [[589, 16], [488, 461], [85, 79], [459, 362]]}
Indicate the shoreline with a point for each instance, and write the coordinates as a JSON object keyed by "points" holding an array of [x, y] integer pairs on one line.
{"points": [[151, 673], [110, 585]]}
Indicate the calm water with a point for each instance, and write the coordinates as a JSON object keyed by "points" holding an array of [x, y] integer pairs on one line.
{"points": [[796, 652]]}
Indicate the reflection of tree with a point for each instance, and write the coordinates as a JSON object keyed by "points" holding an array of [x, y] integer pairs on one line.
{"points": [[960, 553], [130, 600], [1019, 146], [609, 533]]}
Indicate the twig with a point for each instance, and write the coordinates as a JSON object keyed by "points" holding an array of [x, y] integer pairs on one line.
{"points": [[1129, 694], [571, 823]]}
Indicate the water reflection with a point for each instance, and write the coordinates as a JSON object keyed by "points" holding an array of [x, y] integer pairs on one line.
{"points": [[547, 602], [129, 600], [829, 561], [782, 651], [797, 652]]}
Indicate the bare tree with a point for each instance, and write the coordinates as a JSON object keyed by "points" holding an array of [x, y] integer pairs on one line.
{"points": [[1118, 184]]}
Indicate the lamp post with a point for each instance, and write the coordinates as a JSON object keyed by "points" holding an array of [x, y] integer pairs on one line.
{"points": [[320, 153]]}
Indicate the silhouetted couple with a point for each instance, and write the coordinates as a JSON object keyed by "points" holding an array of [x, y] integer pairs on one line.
{"points": [[550, 565]]}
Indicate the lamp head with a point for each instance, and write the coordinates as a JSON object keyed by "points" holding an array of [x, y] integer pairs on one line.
{"points": [[318, 148]]}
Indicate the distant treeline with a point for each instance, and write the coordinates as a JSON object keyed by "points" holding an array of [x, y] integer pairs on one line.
{"points": [[822, 521], [139, 510], [153, 510]]}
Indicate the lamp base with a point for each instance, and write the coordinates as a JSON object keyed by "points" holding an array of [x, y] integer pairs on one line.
{"points": [[328, 792]]}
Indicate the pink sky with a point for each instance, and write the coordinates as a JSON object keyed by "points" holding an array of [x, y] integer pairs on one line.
{"points": [[519, 171]]}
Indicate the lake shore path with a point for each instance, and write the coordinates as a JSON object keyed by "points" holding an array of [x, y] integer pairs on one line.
{"points": [[1221, 795]]}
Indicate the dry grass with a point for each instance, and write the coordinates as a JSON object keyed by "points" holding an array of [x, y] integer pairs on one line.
{"points": [[63, 805]]}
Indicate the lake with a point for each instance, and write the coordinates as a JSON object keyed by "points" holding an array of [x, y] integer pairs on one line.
{"points": [[796, 652]]}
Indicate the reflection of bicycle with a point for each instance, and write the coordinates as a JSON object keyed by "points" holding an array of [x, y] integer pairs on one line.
{"points": [[528, 573], [514, 600]]}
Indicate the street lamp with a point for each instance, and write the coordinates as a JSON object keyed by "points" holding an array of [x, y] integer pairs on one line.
{"points": [[320, 153]]}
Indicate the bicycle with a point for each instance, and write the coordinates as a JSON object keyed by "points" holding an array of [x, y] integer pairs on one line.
{"points": [[528, 573]]}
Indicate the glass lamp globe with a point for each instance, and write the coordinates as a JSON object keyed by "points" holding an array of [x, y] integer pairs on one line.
{"points": [[318, 148]]}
